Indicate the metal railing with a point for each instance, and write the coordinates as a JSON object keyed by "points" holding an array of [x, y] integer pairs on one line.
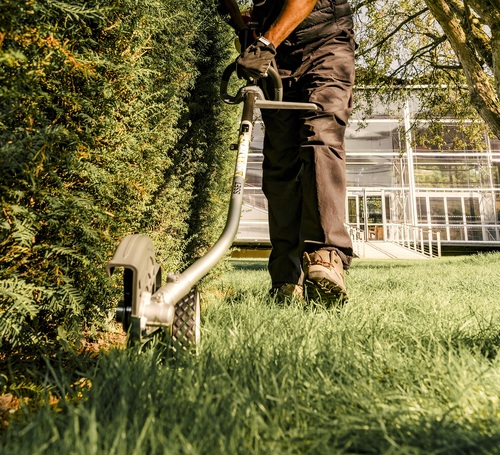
{"points": [[468, 232], [416, 238], [420, 240], [358, 240]]}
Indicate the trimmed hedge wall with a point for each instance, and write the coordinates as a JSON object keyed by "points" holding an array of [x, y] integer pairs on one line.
{"points": [[110, 124]]}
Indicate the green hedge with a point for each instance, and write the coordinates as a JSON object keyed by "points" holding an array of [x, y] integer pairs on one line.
{"points": [[110, 124]]}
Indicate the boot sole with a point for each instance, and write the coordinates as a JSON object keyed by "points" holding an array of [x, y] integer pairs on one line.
{"points": [[326, 291]]}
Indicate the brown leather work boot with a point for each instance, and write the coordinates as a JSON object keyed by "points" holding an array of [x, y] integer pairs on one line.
{"points": [[286, 292], [324, 277]]}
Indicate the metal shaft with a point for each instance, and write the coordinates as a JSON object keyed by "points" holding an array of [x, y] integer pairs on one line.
{"points": [[182, 284]]}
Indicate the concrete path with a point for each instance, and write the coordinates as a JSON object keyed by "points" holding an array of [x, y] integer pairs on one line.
{"points": [[388, 250]]}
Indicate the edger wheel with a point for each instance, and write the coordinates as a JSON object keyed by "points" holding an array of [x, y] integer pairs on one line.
{"points": [[186, 325]]}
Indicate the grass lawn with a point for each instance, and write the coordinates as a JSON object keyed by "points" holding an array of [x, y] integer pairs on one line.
{"points": [[408, 366]]}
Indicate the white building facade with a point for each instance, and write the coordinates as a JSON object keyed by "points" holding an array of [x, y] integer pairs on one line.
{"points": [[450, 190]]}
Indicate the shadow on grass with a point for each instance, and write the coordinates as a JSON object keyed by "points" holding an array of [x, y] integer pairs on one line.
{"points": [[446, 436], [485, 342], [427, 436], [254, 265]]}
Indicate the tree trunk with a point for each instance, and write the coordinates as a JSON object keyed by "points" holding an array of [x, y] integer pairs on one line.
{"points": [[484, 96]]}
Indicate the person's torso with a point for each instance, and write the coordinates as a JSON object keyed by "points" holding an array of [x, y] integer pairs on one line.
{"points": [[318, 24]]}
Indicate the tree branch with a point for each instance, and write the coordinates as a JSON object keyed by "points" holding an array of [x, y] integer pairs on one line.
{"points": [[487, 10], [417, 54], [396, 30], [483, 95], [476, 36]]}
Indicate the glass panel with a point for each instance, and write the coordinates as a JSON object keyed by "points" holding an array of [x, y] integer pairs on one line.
{"points": [[422, 209], [495, 144], [374, 206], [455, 215], [446, 158], [455, 218], [257, 137], [447, 137], [475, 234], [437, 210], [492, 234], [254, 170], [450, 172], [371, 151], [495, 156], [496, 174], [373, 137], [442, 231], [457, 233], [497, 206], [361, 211], [255, 197], [351, 210], [366, 106], [387, 208], [472, 211], [253, 184], [372, 172], [398, 201]]}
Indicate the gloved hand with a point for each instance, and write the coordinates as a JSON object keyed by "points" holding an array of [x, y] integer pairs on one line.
{"points": [[254, 61]]}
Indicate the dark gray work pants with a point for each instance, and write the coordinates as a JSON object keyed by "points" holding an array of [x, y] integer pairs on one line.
{"points": [[304, 169]]}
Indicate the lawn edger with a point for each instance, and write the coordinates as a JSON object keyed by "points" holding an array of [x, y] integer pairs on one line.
{"points": [[174, 307]]}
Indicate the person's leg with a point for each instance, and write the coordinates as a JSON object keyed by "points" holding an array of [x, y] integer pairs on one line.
{"points": [[304, 161], [326, 81], [282, 189]]}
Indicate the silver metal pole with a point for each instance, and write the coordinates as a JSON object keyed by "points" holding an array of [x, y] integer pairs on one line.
{"points": [[365, 214], [411, 165], [172, 292]]}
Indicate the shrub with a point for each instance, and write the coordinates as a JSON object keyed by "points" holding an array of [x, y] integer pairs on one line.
{"points": [[110, 124]]}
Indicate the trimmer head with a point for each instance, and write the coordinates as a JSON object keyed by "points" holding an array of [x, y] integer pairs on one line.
{"points": [[141, 277], [144, 310]]}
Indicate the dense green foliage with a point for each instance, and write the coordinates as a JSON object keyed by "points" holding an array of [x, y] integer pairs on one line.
{"points": [[409, 366], [110, 124]]}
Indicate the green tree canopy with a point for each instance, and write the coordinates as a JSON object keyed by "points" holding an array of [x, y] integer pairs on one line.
{"points": [[452, 46]]}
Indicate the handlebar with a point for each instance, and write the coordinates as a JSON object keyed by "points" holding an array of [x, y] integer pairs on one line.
{"points": [[235, 99], [261, 102]]}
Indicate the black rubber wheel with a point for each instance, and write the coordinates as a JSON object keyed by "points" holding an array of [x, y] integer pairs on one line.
{"points": [[186, 326]]}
